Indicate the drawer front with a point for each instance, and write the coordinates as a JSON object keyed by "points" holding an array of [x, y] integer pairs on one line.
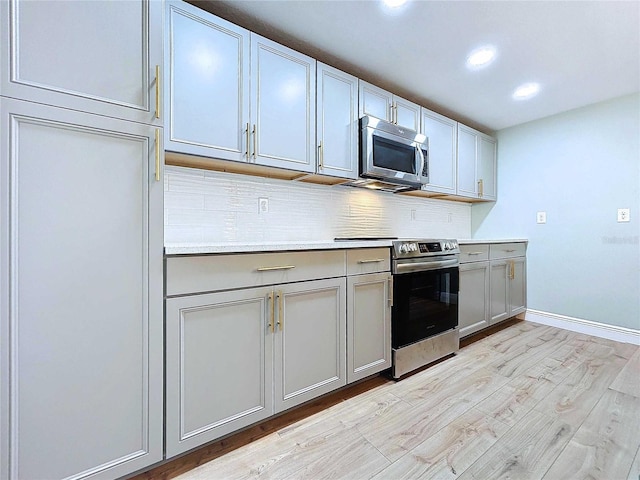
{"points": [[209, 273], [476, 252], [368, 260], [507, 250]]}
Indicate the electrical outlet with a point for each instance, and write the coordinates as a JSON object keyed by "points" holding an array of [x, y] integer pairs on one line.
{"points": [[413, 214], [541, 217], [263, 205], [623, 215]]}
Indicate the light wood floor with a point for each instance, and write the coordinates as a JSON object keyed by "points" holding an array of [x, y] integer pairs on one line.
{"points": [[527, 402]]}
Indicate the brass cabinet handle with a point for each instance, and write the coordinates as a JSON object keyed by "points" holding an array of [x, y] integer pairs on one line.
{"points": [[271, 307], [248, 142], [157, 154], [373, 260], [480, 188], [268, 269], [255, 141], [512, 269], [157, 91], [280, 317], [320, 157]]}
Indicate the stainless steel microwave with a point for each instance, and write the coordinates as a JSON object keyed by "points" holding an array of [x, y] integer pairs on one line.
{"points": [[393, 154]]}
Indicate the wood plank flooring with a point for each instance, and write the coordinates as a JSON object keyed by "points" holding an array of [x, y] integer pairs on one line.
{"points": [[525, 402]]}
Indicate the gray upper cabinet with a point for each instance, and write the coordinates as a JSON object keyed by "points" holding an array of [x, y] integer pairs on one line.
{"points": [[381, 104], [283, 106], [97, 57], [234, 95], [337, 122], [442, 133], [81, 271], [477, 165], [207, 90]]}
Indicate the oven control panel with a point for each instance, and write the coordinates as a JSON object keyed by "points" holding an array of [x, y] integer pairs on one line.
{"points": [[419, 248]]}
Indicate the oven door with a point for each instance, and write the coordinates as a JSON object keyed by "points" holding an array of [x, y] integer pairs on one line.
{"points": [[424, 304]]}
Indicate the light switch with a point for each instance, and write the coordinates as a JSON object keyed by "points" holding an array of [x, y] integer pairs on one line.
{"points": [[541, 217]]}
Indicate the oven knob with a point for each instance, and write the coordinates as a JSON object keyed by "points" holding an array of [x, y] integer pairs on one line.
{"points": [[413, 247], [403, 248]]}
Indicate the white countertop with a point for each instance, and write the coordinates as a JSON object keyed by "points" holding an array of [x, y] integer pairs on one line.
{"points": [[206, 248], [465, 241], [210, 248]]}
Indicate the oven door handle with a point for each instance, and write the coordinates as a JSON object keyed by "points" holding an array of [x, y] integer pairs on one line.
{"points": [[422, 266]]}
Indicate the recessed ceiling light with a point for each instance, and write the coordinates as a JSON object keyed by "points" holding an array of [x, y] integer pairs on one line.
{"points": [[481, 57], [526, 91], [394, 3]]}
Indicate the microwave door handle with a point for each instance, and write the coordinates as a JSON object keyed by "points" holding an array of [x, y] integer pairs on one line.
{"points": [[421, 162]]}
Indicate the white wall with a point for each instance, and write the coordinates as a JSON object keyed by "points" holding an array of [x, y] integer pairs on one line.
{"points": [[220, 208], [579, 167]]}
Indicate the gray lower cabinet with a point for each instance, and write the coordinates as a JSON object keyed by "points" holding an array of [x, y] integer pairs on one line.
{"points": [[81, 334], [492, 284], [240, 356], [508, 290], [368, 325], [473, 313], [369, 302], [219, 365], [309, 340]]}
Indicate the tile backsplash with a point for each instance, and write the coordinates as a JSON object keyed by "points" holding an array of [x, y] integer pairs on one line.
{"points": [[203, 206]]}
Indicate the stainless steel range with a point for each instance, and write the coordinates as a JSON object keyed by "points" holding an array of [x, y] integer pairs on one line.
{"points": [[424, 319]]}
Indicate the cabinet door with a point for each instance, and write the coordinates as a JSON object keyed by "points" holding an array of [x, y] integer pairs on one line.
{"points": [[474, 298], [219, 370], [406, 114], [487, 167], [467, 161], [374, 101], [368, 325], [499, 290], [81, 307], [207, 89], [310, 340], [97, 57], [337, 123], [283, 106], [518, 286], [442, 133]]}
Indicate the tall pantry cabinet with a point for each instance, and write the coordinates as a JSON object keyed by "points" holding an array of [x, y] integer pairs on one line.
{"points": [[80, 238]]}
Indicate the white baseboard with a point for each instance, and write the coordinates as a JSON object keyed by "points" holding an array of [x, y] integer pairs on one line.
{"points": [[611, 332]]}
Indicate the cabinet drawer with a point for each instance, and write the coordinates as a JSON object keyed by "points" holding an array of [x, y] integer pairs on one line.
{"points": [[507, 250], [476, 252], [209, 273], [368, 260]]}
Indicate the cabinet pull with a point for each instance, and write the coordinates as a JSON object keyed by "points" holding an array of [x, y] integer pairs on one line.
{"points": [[248, 133], [320, 157], [390, 294], [157, 91], [255, 141], [280, 318], [512, 270], [271, 306], [480, 188], [268, 269], [475, 253], [510, 250], [157, 152], [373, 260]]}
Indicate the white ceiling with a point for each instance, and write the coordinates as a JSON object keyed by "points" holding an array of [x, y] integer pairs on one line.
{"points": [[580, 52]]}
